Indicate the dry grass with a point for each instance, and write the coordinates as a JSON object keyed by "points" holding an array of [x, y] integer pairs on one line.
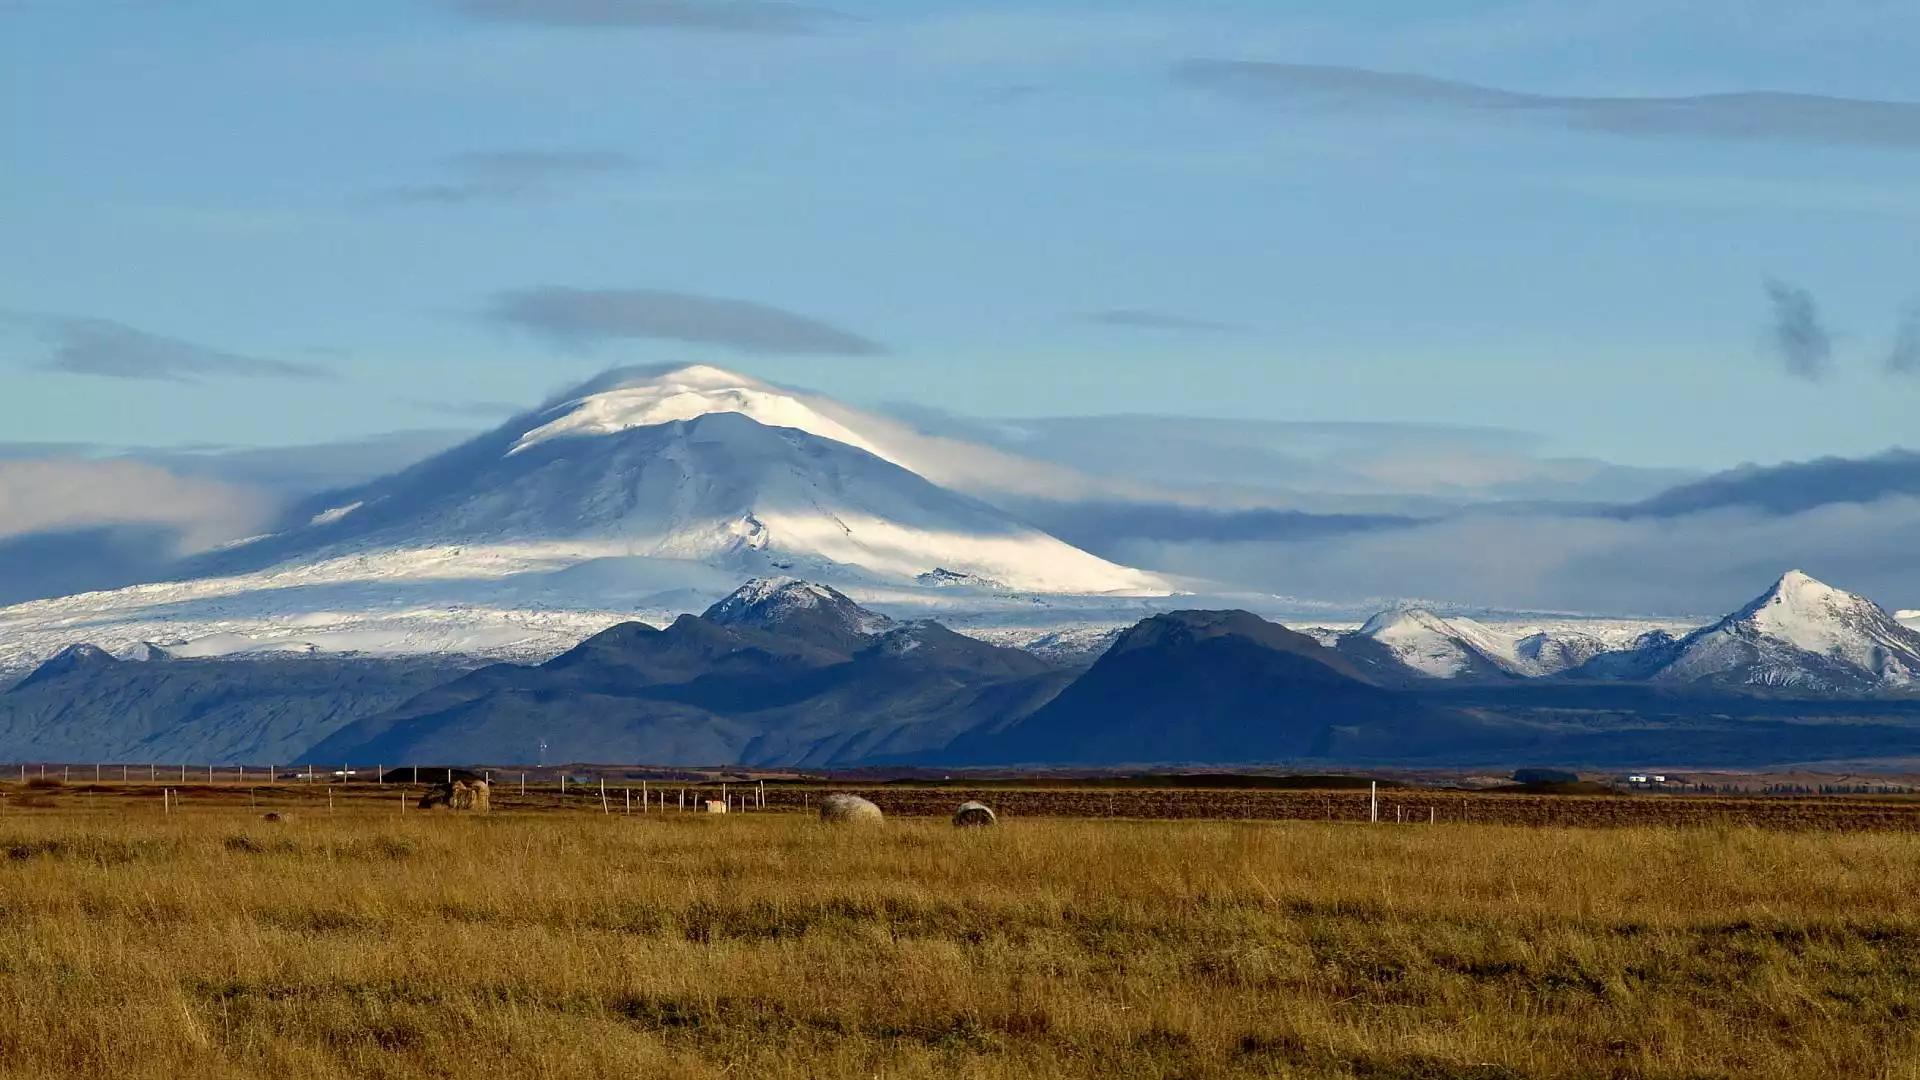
{"points": [[212, 944]]}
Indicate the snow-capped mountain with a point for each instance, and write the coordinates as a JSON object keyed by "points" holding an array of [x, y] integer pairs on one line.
{"points": [[694, 465], [1425, 644], [1908, 619], [785, 602], [1549, 652], [1799, 635], [1413, 642], [639, 495]]}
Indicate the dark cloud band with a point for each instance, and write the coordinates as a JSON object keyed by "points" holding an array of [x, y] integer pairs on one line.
{"points": [[1796, 334], [1752, 115], [491, 175], [1905, 357], [712, 16], [102, 347], [582, 317]]}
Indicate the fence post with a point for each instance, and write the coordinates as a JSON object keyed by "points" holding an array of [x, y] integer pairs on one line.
{"points": [[604, 808], [1373, 802], [523, 781]]}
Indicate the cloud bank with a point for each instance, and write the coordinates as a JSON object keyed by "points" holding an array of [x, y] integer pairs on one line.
{"points": [[585, 317], [52, 494], [1698, 565], [1743, 115]]}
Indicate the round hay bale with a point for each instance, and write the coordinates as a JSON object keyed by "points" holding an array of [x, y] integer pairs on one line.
{"points": [[974, 815], [842, 808]]}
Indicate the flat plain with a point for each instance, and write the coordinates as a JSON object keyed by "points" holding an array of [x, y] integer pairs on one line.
{"points": [[550, 939]]}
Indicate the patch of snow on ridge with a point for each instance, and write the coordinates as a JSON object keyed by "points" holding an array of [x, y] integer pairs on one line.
{"points": [[1908, 619], [328, 517], [687, 394]]}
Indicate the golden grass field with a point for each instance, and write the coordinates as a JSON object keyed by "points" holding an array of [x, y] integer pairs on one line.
{"points": [[209, 943]]}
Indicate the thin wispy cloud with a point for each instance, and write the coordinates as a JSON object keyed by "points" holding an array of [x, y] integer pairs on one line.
{"points": [[490, 175], [1905, 357], [585, 317], [1011, 94], [1796, 334], [471, 410], [711, 16], [109, 349], [1143, 319], [1744, 115]]}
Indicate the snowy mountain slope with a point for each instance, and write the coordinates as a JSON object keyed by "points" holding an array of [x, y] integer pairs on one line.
{"points": [[1800, 635], [1548, 652], [1424, 643], [1412, 642], [643, 397], [638, 497], [721, 488], [1908, 619]]}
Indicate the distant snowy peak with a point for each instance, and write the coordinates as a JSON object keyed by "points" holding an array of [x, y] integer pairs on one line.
{"points": [[608, 407], [778, 602], [942, 578], [1427, 645], [1908, 619], [1547, 653], [1800, 634], [1413, 642], [79, 657]]}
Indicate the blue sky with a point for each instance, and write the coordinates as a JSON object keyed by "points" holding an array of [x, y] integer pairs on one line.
{"points": [[334, 220]]}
